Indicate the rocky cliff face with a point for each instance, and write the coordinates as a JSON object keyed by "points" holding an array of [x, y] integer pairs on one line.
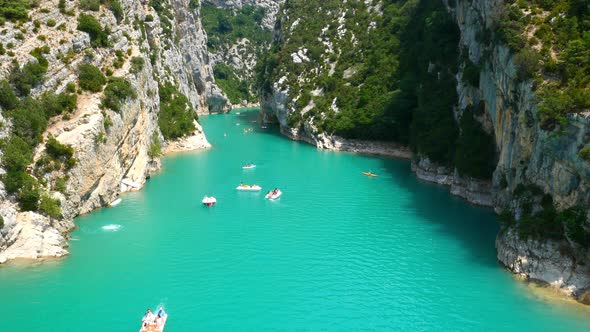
{"points": [[240, 53], [109, 146], [527, 156]]}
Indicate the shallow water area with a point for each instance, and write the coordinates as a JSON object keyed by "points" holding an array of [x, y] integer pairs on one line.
{"points": [[337, 251]]}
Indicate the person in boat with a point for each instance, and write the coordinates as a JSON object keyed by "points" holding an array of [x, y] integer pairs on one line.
{"points": [[148, 317], [161, 312]]}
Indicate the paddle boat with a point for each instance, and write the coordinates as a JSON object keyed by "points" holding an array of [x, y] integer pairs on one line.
{"points": [[248, 166], [209, 201], [154, 323], [370, 174], [245, 187], [273, 194]]}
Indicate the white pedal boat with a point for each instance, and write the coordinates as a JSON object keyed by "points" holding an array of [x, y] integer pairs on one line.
{"points": [[209, 200], [245, 187], [272, 196], [248, 166]]}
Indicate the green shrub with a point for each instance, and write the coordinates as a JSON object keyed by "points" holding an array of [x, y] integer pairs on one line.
{"points": [[57, 150], [56, 104], [117, 9], [28, 77], [116, 92], [17, 154], [50, 22], [15, 10], [29, 121], [90, 78], [29, 195], [1, 222], [585, 153], [574, 220], [61, 184], [471, 74], [8, 100], [89, 24], [93, 5], [528, 63], [137, 64], [475, 151], [50, 207], [155, 149], [71, 87], [176, 113]]}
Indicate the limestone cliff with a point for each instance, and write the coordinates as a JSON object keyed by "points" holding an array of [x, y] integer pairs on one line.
{"points": [[528, 155], [239, 32], [109, 146], [533, 164]]}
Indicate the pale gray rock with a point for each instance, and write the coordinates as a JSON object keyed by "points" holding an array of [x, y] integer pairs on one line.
{"points": [[109, 146]]}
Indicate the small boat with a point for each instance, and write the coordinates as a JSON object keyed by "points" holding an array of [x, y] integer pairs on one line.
{"points": [[209, 201], [155, 325], [245, 187], [115, 202], [248, 166], [370, 174], [272, 195], [263, 127]]}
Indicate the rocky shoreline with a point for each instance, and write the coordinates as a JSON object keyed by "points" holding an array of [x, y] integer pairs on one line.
{"points": [[550, 262]]}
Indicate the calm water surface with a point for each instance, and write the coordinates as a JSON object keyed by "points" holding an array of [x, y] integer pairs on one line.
{"points": [[339, 251]]}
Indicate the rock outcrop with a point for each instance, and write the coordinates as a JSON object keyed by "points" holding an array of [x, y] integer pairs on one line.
{"points": [[109, 146], [550, 262]]}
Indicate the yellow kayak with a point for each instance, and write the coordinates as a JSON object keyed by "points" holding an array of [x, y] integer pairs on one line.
{"points": [[370, 174]]}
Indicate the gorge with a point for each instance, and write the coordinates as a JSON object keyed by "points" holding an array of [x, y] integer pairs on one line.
{"points": [[443, 83]]}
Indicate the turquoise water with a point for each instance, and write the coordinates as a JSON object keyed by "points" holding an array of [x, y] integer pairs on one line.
{"points": [[338, 251]]}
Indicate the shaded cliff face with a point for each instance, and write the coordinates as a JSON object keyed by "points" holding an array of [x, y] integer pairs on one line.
{"points": [[532, 162], [109, 146], [537, 175]]}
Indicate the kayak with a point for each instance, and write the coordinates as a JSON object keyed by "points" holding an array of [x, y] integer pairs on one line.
{"points": [[209, 201], [155, 327], [245, 187], [370, 174], [274, 196]]}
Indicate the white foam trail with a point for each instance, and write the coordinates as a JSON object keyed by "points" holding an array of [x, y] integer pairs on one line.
{"points": [[111, 227]]}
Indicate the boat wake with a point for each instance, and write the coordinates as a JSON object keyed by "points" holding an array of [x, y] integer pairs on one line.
{"points": [[111, 227]]}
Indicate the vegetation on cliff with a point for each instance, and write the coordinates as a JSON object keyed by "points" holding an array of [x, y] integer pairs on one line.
{"points": [[240, 28], [176, 113], [378, 73], [551, 42]]}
